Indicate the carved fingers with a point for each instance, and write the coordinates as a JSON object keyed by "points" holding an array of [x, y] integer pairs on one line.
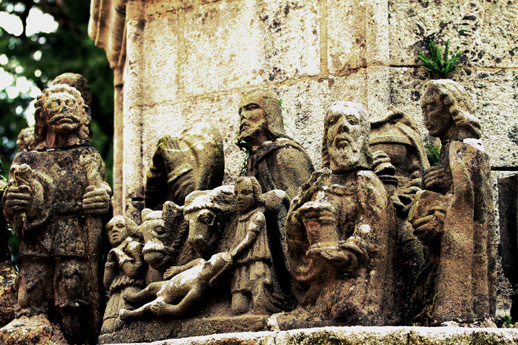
{"points": [[437, 179], [429, 228], [96, 200], [18, 199]]}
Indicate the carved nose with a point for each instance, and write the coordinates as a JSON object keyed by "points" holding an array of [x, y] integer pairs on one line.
{"points": [[197, 241]]}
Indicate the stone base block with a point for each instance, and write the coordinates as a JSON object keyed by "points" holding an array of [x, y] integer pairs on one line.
{"points": [[358, 335]]}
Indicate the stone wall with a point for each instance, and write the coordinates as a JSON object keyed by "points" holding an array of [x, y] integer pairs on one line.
{"points": [[181, 61]]}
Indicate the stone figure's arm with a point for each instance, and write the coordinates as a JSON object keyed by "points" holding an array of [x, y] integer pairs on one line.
{"points": [[186, 304], [28, 198], [110, 269], [96, 199], [174, 270], [131, 263], [256, 225]]}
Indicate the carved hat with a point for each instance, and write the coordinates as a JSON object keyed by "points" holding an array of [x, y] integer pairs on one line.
{"points": [[76, 81]]}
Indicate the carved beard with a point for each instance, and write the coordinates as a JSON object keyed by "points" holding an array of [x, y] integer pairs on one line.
{"points": [[344, 156]]}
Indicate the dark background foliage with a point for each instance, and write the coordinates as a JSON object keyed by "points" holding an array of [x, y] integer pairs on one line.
{"points": [[68, 49]]}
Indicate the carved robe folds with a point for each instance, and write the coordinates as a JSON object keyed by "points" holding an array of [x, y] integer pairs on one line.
{"points": [[340, 237]]}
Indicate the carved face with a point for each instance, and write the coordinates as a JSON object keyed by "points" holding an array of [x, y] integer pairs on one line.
{"points": [[437, 118], [62, 113], [156, 238], [253, 124], [245, 199], [202, 226], [117, 231], [344, 137]]}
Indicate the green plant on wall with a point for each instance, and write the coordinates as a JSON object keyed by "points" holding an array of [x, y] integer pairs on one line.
{"points": [[433, 152], [439, 63]]}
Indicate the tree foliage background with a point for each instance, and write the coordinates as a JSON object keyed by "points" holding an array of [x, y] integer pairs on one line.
{"points": [[39, 57]]}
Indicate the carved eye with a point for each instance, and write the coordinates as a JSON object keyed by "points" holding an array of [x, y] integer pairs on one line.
{"points": [[160, 230], [207, 219], [120, 225], [69, 102], [331, 120], [352, 120], [55, 103]]}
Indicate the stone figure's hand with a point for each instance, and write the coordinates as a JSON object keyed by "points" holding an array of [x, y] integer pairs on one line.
{"points": [[437, 179], [96, 200], [429, 227], [18, 199], [172, 271]]}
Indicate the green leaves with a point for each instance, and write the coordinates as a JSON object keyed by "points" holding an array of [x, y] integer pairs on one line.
{"points": [[439, 64]]}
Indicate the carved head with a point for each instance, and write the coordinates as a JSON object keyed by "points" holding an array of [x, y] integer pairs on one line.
{"points": [[60, 111], [160, 229], [78, 82], [207, 213], [119, 228], [248, 194], [447, 111], [345, 144], [25, 139], [260, 118]]}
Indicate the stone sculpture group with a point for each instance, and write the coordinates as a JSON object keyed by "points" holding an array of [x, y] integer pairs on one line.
{"points": [[375, 237]]}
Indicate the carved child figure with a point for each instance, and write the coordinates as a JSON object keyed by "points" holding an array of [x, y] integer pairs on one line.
{"points": [[55, 199], [123, 270], [251, 283], [454, 215], [186, 283]]}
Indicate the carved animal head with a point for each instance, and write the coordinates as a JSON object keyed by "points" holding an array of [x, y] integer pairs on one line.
{"points": [[208, 212], [160, 230]]}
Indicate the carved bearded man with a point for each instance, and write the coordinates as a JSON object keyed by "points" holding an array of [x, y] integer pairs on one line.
{"points": [[55, 197], [275, 160], [341, 227]]}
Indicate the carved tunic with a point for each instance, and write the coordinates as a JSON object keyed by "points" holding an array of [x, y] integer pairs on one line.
{"points": [[255, 263]]}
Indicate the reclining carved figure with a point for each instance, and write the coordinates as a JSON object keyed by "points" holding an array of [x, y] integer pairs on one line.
{"points": [[186, 283]]}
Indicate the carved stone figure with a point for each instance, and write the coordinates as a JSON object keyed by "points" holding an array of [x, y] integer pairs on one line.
{"points": [[124, 268], [191, 161], [276, 160], [341, 228], [252, 279], [454, 215], [181, 293], [78, 82], [399, 162], [54, 201], [25, 139]]}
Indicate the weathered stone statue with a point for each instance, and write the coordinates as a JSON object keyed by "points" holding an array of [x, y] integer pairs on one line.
{"points": [[54, 201], [276, 160], [182, 292], [399, 162], [124, 268], [454, 215], [191, 161], [341, 229], [25, 139], [78, 82], [252, 279]]}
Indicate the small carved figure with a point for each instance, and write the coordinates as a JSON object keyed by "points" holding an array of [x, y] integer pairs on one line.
{"points": [[341, 228], [185, 285], [25, 139], [55, 198], [252, 279], [123, 270], [180, 165], [276, 160], [454, 215]]}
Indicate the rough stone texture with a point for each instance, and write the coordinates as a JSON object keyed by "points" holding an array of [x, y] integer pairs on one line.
{"points": [[184, 60], [357, 336], [35, 330]]}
